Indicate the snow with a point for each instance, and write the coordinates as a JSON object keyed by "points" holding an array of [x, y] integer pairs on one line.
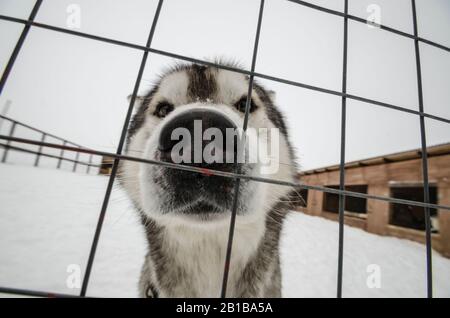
{"points": [[48, 219]]}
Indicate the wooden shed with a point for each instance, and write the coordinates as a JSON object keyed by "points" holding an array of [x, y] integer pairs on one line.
{"points": [[397, 175]]}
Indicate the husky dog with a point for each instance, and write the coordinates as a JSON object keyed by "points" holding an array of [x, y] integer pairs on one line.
{"points": [[186, 214]]}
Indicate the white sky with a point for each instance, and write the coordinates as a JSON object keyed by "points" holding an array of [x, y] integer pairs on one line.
{"points": [[77, 88]]}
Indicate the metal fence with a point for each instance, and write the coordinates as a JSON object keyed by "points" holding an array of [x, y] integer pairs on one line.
{"points": [[421, 115], [39, 153]]}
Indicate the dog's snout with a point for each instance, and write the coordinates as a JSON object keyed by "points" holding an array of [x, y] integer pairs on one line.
{"points": [[195, 123]]}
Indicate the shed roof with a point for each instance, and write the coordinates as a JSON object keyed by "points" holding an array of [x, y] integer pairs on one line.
{"points": [[438, 150]]}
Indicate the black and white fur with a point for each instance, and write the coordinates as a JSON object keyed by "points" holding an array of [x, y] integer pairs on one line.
{"points": [[187, 250]]}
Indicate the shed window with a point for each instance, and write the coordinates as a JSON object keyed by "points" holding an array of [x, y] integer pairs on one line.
{"points": [[412, 217], [303, 200], [352, 204]]}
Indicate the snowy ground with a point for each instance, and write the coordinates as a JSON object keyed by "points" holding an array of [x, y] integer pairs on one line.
{"points": [[48, 217]]}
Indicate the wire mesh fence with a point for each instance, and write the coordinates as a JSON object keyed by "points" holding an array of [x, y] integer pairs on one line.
{"points": [[236, 175]]}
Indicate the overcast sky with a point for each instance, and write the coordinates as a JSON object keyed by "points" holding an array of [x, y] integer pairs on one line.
{"points": [[76, 88]]}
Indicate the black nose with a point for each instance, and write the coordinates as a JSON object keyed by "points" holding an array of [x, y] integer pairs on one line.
{"points": [[196, 122]]}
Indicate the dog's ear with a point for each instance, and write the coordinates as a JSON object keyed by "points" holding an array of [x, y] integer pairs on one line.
{"points": [[272, 95], [138, 99]]}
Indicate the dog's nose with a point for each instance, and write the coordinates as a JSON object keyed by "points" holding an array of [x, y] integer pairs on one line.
{"points": [[196, 122]]}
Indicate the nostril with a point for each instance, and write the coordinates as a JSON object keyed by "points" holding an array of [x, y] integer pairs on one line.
{"points": [[191, 125]]}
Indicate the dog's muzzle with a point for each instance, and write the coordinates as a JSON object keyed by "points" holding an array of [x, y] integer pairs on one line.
{"points": [[197, 192]]}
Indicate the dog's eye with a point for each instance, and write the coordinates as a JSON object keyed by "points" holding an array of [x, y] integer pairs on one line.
{"points": [[240, 105], [162, 109]]}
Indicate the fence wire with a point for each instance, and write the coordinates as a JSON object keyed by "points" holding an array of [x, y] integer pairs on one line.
{"points": [[342, 162], [7, 146], [117, 156]]}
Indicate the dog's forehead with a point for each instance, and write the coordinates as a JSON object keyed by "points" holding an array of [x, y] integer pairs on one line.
{"points": [[231, 86], [196, 83], [174, 86]]}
